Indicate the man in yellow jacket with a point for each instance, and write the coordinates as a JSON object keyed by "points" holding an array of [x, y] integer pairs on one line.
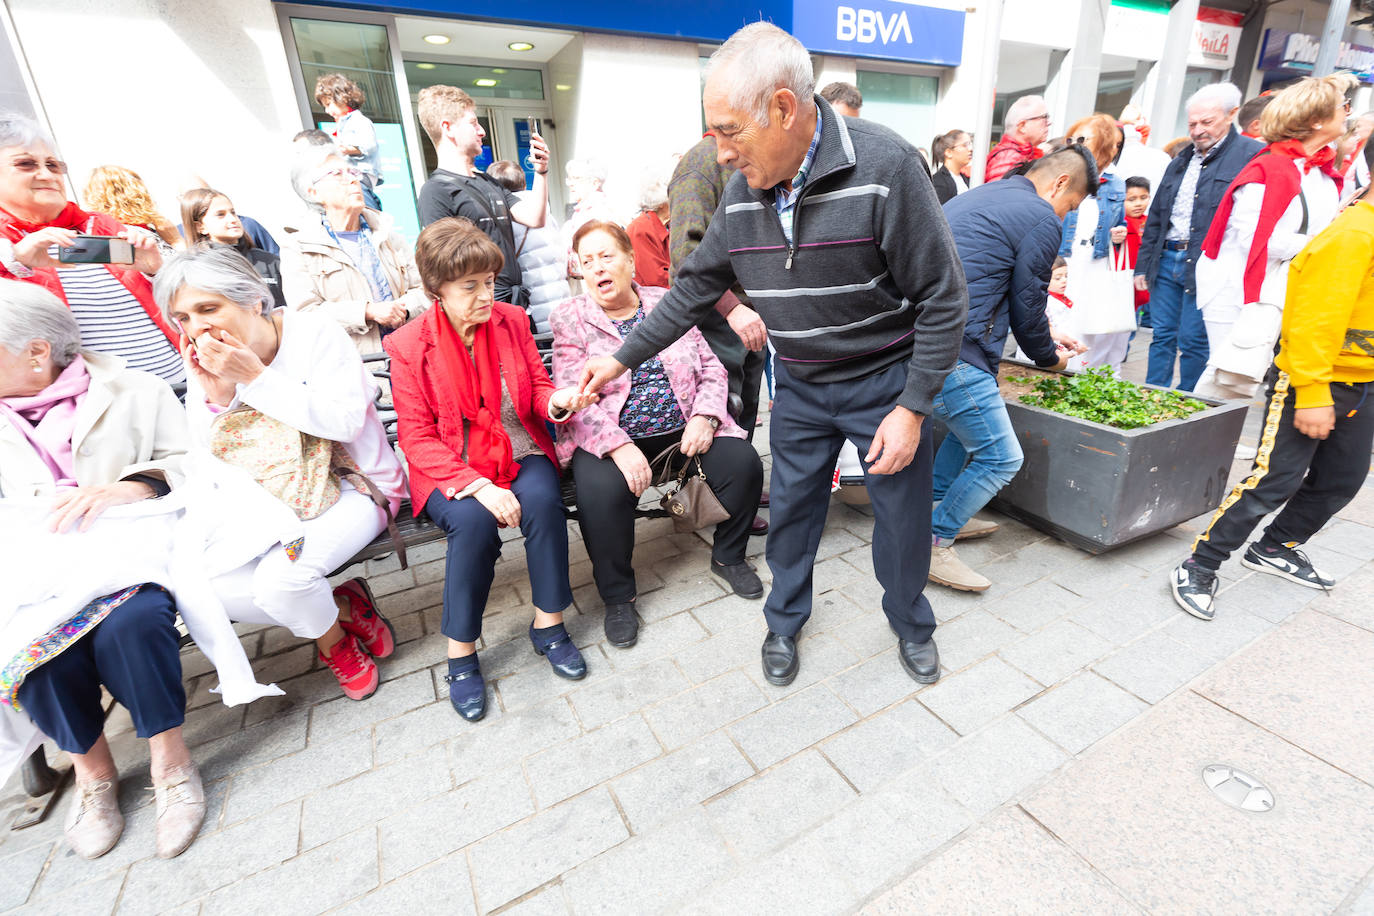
{"points": [[1319, 426]]}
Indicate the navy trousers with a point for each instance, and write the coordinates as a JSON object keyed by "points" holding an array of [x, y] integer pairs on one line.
{"points": [[810, 422], [135, 653], [474, 544]]}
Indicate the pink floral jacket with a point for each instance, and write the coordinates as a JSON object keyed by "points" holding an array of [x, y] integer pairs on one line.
{"points": [[581, 331]]}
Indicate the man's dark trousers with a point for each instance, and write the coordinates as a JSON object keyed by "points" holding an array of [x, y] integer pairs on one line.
{"points": [[1312, 479], [808, 426]]}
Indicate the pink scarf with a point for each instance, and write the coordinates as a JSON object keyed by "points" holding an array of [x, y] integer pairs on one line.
{"points": [[48, 419]]}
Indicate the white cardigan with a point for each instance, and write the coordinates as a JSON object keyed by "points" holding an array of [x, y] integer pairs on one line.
{"points": [[317, 383], [1220, 282]]}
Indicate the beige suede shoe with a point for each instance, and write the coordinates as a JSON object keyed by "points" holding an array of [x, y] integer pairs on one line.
{"points": [[180, 810], [947, 569], [94, 823], [976, 528]]}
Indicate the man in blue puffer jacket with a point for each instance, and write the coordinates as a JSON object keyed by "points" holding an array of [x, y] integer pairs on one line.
{"points": [[1007, 233]]}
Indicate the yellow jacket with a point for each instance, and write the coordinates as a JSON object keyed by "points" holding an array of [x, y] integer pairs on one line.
{"points": [[1328, 318]]}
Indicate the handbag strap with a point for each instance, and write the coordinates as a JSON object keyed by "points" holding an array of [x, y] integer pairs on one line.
{"points": [[661, 475], [356, 477]]}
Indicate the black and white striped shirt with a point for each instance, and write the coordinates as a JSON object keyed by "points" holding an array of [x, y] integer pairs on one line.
{"points": [[113, 321]]}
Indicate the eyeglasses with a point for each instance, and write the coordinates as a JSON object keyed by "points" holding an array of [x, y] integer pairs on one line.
{"points": [[345, 174], [1040, 117], [30, 164]]}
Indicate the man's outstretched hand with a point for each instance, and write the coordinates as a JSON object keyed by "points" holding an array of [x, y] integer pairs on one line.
{"points": [[597, 372]]}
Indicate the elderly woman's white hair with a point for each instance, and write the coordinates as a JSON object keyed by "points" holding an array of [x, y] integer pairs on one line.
{"points": [[589, 169], [653, 185], [17, 130], [1222, 96], [28, 312], [307, 162], [761, 59], [222, 271]]}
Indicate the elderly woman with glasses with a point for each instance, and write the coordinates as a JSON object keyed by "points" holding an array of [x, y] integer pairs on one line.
{"points": [[112, 302], [82, 435], [290, 379], [346, 261]]}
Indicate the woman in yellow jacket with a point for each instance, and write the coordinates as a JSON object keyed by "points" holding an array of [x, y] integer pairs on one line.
{"points": [[1314, 452]]}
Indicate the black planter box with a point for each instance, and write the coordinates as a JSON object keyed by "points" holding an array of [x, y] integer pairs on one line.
{"points": [[1098, 487]]}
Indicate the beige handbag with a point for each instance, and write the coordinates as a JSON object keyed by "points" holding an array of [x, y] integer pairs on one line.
{"points": [[300, 470]]}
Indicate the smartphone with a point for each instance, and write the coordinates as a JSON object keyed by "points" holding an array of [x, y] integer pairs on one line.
{"points": [[533, 125], [96, 249]]}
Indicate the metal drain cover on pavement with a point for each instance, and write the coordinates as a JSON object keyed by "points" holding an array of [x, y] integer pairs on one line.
{"points": [[1238, 788]]}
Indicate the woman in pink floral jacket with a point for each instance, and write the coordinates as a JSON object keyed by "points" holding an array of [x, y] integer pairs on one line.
{"points": [[677, 398]]}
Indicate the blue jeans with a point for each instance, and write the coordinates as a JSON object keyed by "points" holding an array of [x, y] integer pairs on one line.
{"points": [[1177, 324], [980, 435]]}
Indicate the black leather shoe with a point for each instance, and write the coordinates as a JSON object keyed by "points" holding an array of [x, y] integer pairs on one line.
{"points": [[467, 691], [920, 659], [758, 527], [742, 578], [780, 661], [622, 626]]}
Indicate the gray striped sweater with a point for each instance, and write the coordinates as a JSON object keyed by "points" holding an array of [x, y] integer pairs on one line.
{"points": [[871, 278]]}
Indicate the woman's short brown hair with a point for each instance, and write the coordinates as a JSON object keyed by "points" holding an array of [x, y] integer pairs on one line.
{"points": [[1291, 112], [614, 230], [451, 248], [335, 87]]}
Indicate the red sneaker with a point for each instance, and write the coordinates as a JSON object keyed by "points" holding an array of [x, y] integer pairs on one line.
{"points": [[373, 630], [357, 673]]}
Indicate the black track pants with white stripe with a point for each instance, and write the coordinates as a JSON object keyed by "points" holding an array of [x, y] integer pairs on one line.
{"points": [[1315, 477]]}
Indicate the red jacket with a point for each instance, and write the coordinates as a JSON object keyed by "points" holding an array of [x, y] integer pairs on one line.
{"points": [[73, 217], [649, 238], [1007, 155], [431, 428]]}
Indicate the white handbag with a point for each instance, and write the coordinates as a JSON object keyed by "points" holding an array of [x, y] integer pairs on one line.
{"points": [[1103, 300], [1249, 348]]}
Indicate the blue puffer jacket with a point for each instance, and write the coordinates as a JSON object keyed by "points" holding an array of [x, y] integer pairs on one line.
{"points": [[1111, 211], [1007, 236]]}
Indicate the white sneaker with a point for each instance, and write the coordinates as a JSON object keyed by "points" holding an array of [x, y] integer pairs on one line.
{"points": [[947, 569]]}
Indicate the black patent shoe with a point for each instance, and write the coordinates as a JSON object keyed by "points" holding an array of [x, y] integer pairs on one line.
{"points": [[563, 656], [467, 691], [780, 661], [921, 660], [622, 626]]}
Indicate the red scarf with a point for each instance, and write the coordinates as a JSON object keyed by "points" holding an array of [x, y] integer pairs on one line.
{"points": [[478, 383], [77, 220], [1068, 303], [1276, 168]]}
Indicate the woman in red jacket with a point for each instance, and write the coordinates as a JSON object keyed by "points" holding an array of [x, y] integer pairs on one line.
{"points": [[472, 399]]}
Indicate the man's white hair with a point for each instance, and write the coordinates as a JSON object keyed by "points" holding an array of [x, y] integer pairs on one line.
{"points": [[761, 59], [1021, 109], [1223, 96]]}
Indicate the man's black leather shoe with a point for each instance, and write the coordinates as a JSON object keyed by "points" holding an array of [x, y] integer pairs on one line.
{"points": [[780, 662], [920, 659], [742, 578], [622, 626]]}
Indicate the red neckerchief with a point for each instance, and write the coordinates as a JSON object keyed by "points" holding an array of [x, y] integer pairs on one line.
{"points": [[1068, 303], [1275, 167], [478, 386]]}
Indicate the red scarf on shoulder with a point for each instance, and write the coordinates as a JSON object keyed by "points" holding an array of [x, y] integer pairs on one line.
{"points": [[1276, 168], [77, 220], [478, 385]]}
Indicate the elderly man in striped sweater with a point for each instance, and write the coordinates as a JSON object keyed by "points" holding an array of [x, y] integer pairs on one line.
{"points": [[834, 231]]}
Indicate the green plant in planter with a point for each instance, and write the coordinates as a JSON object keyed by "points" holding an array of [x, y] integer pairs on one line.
{"points": [[1097, 395]]}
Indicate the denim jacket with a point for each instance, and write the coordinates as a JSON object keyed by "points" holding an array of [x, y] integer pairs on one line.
{"points": [[1111, 211]]}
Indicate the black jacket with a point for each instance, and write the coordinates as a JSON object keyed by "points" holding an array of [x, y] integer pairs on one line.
{"points": [[1217, 174], [1007, 236], [946, 185]]}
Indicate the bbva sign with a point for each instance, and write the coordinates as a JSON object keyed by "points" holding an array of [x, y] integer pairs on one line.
{"points": [[868, 26]]}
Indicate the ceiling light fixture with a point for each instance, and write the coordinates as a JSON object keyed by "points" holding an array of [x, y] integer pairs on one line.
{"points": [[424, 66], [520, 46], [486, 83], [562, 87], [437, 39], [498, 70]]}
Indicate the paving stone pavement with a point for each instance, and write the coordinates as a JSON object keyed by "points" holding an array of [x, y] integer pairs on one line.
{"points": [[1056, 766]]}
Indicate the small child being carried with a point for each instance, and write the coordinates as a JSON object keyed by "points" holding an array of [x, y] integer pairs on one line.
{"points": [[1057, 308]]}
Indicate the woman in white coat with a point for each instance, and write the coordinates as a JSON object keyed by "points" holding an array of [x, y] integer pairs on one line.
{"points": [[299, 370], [79, 435], [1278, 202]]}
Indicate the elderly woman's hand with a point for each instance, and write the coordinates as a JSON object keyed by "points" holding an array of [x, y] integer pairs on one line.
{"points": [[634, 466], [228, 358], [147, 256], [32, 249], [571, 399], [218, 391], [697, 437], [85, 504], [501, 503]]}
